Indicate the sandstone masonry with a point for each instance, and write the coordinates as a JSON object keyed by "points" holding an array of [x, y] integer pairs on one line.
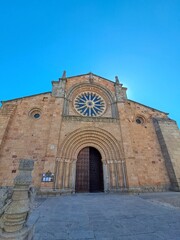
{"points": [[139, 145]]}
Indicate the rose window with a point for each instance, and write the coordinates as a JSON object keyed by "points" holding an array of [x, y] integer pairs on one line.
{"points": [[89, 104]]}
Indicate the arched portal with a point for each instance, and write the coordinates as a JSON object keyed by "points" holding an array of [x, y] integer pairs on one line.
{"points": [[89, 171], [110, 150]]}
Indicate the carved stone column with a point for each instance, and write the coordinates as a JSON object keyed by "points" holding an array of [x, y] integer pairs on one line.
{"points": [[106, 177], [66, 173], [13, 216], [112, 175], [73, 176]]}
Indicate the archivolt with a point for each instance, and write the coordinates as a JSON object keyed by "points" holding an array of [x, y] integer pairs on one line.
{"points": [[107, 145], [106, 92]]}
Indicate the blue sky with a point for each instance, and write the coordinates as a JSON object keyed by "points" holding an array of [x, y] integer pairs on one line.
{"points": [[138, 40]]}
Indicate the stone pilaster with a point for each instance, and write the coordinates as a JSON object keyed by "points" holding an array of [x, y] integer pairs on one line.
{"points": [[6, 115], [58, 92], [58, 89], [120, 91], [168, 136]]}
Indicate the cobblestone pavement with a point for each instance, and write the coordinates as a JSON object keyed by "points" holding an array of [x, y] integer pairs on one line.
{"points": [[154, 216]]}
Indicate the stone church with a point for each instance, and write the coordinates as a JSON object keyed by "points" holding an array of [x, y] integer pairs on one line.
{"points": [[87, 136]]}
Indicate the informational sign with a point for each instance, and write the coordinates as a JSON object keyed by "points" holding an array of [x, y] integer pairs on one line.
{"points": [[48, 177]]}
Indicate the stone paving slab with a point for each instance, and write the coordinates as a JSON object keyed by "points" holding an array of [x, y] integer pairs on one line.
{"points": [[165, 198], [108, 217]]}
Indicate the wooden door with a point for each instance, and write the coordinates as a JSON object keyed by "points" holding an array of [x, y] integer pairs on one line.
{"points": [[82, 171], [89, 172]]}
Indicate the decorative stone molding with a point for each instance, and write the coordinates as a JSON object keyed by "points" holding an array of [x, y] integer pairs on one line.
{"points": [[89, 104], [111, 152], [91, 86], [140, 119], [15, 213], [5, 194], [91, 78], [107, 145], [90, 119], [35, 113]]}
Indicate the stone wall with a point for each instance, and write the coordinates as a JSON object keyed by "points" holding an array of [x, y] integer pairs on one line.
{"points": [[6, 115], [130, 150], [169, 139], [26, 137], [144, 161]]}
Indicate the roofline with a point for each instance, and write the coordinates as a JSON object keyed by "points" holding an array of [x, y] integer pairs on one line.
{"points": [[92, 74], [147, 106], [15, 99]]}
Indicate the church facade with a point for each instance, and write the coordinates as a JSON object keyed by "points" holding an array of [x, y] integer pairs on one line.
{"points": [[87, 136]]}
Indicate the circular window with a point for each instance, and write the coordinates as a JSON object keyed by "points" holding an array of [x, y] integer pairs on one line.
{"points": [[35, 113], [89, 104], [139, 120]]}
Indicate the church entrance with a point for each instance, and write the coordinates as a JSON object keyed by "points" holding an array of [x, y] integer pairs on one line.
{"points": [[89, 171]]}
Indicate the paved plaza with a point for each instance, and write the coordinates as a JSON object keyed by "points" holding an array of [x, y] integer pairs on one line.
{"points": [[151, 216]]}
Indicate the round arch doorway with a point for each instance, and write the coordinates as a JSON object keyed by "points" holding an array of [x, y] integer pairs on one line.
{"points": [[89, 171]]}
